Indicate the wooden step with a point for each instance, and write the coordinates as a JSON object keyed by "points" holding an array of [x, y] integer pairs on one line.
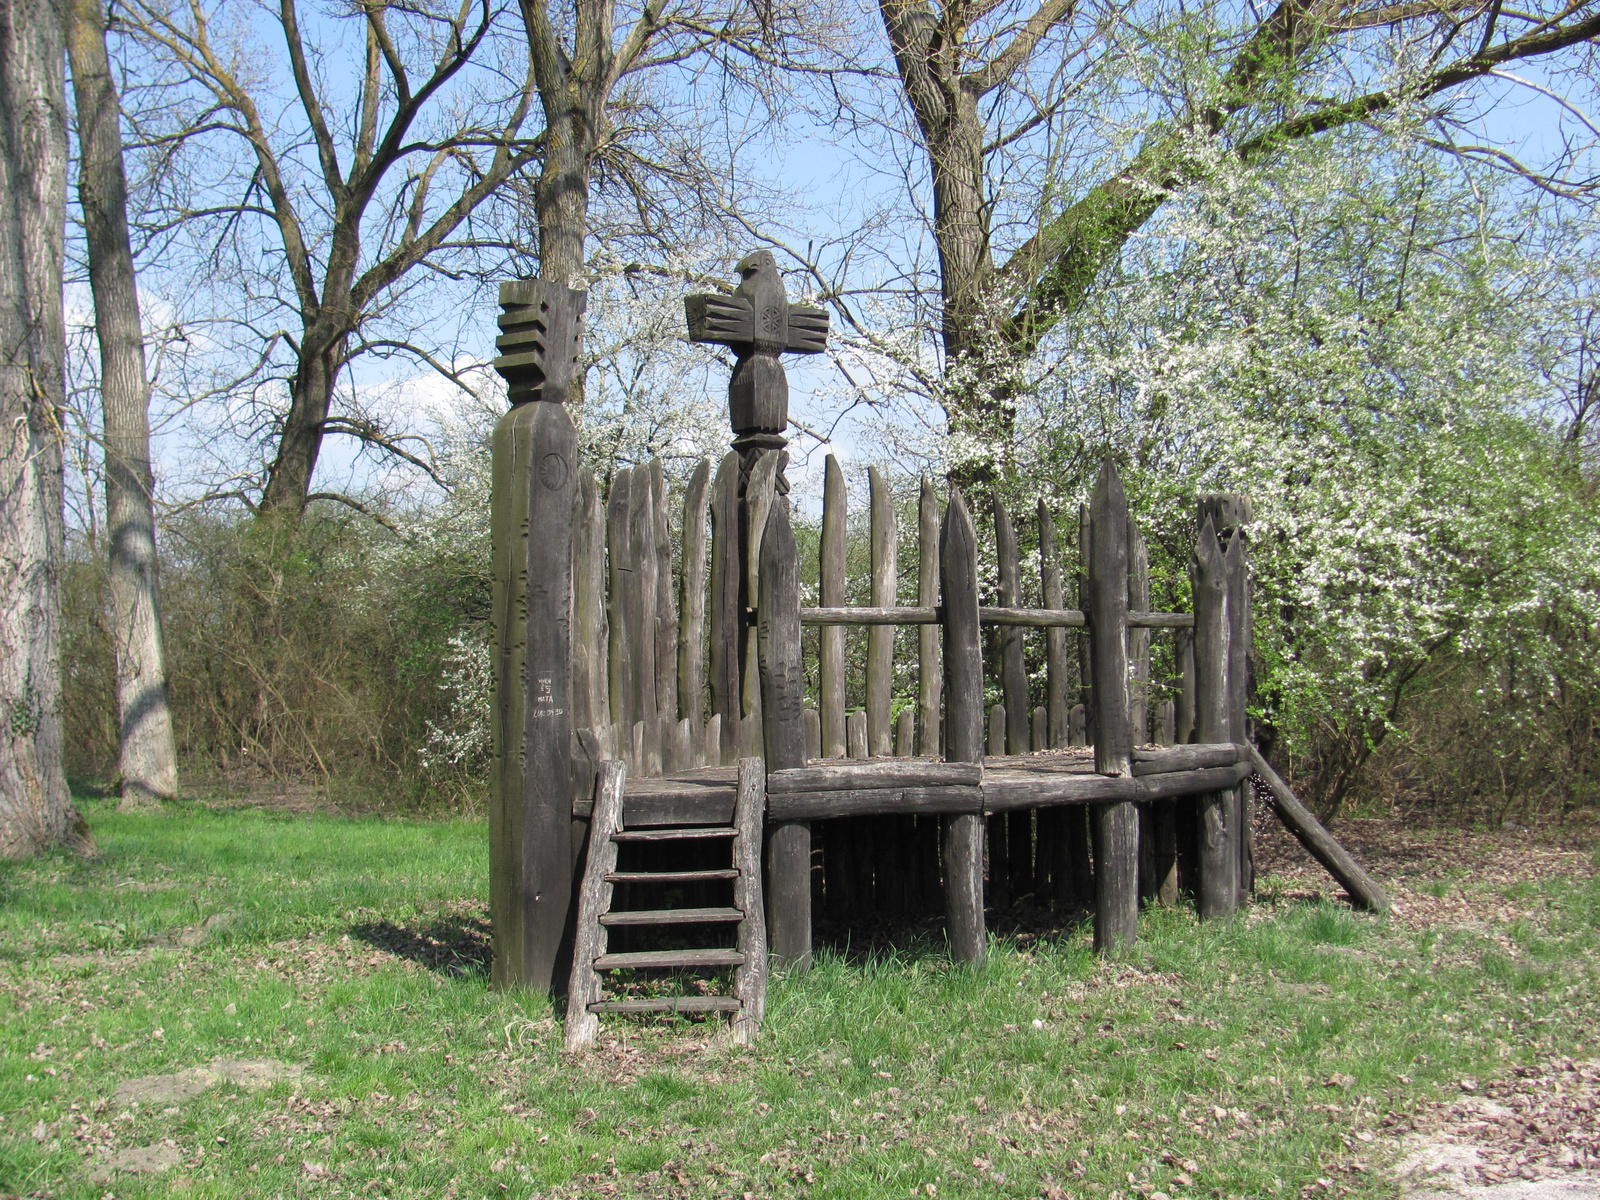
{"points": [[692, 833], [674, 1004], [670, 876], [671, 916], [669, 958]]}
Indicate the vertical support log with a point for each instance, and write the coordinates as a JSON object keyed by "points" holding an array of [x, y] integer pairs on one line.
{"points": [[997, 731], [930, 675], [619, 664], [727, 616], [1217, 865], [759, 475], [880, 638], [813, 734], [535, 485], [692, 632], [856, 734], [1116, 917], [1139, 639], [905, 726], [1041, 727], [783, 690], [1183, 710], [591, 707], [1057, 701], [641, 609], [1085, 644], [1242, 808], [963, 687], [666, 605], [1008, 638], [830, 638]]}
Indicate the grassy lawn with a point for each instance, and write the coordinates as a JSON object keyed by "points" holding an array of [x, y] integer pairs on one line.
{"points": [[1252, 1059]]}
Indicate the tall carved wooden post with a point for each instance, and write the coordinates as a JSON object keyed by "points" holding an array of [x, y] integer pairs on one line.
{"points": [[758, 323], [531, 507]]}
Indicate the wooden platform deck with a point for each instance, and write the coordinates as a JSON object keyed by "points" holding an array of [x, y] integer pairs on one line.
{"points": [[862, 787]]}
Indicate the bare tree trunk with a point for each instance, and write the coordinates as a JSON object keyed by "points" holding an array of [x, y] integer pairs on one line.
{"points": [[36, 809], [300, 440], [146, 761]]}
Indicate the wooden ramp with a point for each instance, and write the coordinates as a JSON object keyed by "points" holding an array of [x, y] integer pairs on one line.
{"points": [[740, 830]]}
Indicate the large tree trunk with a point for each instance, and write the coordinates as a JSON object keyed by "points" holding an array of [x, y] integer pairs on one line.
{"points": [[146, 761], [35, 807], [300, 441]]}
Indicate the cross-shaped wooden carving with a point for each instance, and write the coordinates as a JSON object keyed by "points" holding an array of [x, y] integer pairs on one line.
{"points": [[757, 323]]}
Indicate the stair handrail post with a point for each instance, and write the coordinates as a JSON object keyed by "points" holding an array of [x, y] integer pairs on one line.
{"points": [[533, 491]]}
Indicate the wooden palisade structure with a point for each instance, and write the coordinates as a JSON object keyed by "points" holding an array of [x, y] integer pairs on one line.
{"points": [[630, 687]]}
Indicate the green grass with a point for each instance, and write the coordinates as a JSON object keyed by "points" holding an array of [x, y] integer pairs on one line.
{"points": [[1243, 1059]]}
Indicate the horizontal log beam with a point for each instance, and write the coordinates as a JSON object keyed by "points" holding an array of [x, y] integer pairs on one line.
{"points": [[1032, 618], [863, 802], [1036, 791], [891, 773], [1194, 757]]}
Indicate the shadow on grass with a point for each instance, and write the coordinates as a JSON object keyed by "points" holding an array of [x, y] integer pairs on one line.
{"points": [[877, 937], [457, 946]]}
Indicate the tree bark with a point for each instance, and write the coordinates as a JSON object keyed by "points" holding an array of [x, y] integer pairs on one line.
{"points": [[36, 808], [147, 760]]}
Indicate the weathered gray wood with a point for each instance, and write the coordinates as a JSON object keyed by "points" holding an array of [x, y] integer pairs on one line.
{"points": [[816, 806], [1004, 791], [1108, 608], [711, 752], [1241, 808], [1148, 761], [671, 876], [783, 731], [1041, 727], [905, 728], [963, 686], [668, 1004], [1008, 638], [1057, 702], [669, 802], [750, 980], [997, 730], [666, 607], [930, 675], [594, 902], [1217, 892], [856, 734], [672, 916], [813, 734], [1183, 708], [861, 615], [1321, 844], [1164, 826], [885, 547], [619, 656], [668, 959], [692, 630], [640, 605], [1138, 638], [690, 833], [1085, 642], [683, 745], [762, 469], [591, 708], [1116, 912], [830, 664], [1166, 725], [727, 610], [1078, 722], [530, 798], [921, 772]]}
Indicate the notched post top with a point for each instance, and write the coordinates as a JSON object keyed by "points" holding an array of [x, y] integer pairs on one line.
{"points": [[541, 338]]}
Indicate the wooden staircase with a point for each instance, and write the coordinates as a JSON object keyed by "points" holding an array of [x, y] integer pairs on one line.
{"points": [[585, 998]]}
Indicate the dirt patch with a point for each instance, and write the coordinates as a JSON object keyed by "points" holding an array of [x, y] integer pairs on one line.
{"points": [[251, 1073], [137, 1160], [1532, 1135]]}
